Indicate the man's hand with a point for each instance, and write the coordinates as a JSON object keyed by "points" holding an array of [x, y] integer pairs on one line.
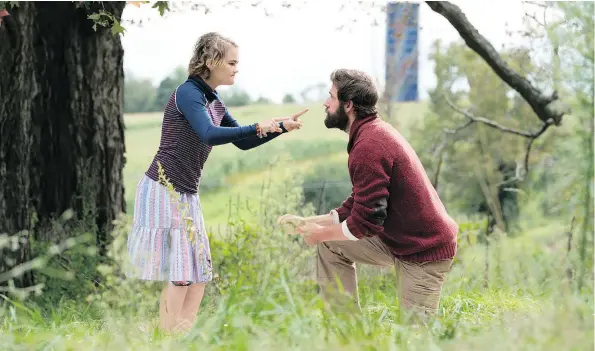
{"points": [[291, 219], [313, 233], [301, 226]]}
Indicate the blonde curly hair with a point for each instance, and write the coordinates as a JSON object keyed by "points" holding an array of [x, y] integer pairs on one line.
{"points": [[210, 48]]}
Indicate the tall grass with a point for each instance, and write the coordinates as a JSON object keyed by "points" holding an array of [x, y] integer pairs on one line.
{"points": [[273, 306], [264, 296]]}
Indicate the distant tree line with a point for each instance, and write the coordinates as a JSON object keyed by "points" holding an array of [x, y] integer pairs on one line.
{"points": [[140, 95]]}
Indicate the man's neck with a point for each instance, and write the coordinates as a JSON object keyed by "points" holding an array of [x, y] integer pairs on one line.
{"points": [[349, 124]]}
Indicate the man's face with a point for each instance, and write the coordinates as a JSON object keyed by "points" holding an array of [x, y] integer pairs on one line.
{"points": [[336, 116]]}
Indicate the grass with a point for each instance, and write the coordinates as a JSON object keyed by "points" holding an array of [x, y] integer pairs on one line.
{"points": [[286, 313], [265, 298]]}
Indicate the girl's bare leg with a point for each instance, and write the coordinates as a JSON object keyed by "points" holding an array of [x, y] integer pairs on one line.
{"points": [[192, 304], [170, 309]]}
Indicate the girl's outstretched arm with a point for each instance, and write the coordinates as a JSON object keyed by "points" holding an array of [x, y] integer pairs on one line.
{"points": [[293, 122], [192, 104]]}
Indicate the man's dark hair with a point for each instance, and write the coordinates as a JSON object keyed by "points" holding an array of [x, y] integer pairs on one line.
{"points": [[358, 87]]}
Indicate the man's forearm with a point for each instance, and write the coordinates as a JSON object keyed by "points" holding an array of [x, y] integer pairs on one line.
{"points": [[323, 220], [332, 232]]}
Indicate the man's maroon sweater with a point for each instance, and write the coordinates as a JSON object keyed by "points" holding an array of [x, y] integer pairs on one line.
{"points": [[393, 197]]}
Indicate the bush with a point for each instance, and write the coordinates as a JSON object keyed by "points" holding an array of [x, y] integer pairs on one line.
{"points": [[236, 97], [327, 185], [288, 99]]}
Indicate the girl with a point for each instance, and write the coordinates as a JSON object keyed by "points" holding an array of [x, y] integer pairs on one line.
{"points": [[168, 240]]}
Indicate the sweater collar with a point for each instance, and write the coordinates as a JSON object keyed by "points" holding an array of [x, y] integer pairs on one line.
{"points": [[356, 128], [210, 94]]}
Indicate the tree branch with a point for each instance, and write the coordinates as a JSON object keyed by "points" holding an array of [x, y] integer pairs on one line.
{"points": [[438, 168], [543, 105], [534, 136], [520, 175], [440, 148], [537, 3], [459, 128], [485, 121], [544, 7]]}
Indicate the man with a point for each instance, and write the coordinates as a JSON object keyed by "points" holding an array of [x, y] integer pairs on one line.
{"points": [[393, 217]]}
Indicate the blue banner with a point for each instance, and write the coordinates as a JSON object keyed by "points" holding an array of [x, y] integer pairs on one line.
{"points": [[401, 51]]}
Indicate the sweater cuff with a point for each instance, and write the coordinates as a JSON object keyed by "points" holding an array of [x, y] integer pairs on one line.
{"points": [[344, 227], [349, 226], [347, 232], [343, 213], [335, 215]]}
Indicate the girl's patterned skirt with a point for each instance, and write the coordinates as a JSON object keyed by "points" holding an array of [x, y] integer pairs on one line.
{"points": [[168, 239]]}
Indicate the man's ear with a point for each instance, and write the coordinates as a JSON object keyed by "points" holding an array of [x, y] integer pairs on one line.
{"points": [[348, 106]]}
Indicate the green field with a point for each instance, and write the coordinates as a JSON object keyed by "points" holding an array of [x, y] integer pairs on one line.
{"points": [[231, 173]]}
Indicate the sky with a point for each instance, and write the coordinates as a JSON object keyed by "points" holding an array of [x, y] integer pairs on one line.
{"points": [[295, 47]]}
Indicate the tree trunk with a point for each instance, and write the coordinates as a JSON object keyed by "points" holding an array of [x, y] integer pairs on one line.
{"points": [[61, 121]]}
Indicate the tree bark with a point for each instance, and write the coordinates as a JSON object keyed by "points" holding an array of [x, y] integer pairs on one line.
{"points": [[16, 91], [61, 121], [543, 105]]}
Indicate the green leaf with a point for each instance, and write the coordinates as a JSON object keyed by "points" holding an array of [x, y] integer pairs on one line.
{"points": [[107, 20], [161, 7], [117, 28], [94, 16], [8, 5]]}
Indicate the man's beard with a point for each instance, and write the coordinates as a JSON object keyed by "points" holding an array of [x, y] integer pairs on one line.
{"points": [[337, 120]]}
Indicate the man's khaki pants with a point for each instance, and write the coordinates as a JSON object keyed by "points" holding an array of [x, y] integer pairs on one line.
{"points": [[419, 284]]}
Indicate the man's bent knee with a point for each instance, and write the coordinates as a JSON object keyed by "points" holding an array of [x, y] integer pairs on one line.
{"points": [[322, 249], [422, 284], [327, 251]]}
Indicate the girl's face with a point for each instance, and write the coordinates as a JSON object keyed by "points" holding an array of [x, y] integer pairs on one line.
{"points": [[225, 72]]}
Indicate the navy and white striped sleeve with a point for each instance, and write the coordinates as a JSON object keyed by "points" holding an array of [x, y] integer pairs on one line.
{"points": [[192, 104]]}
